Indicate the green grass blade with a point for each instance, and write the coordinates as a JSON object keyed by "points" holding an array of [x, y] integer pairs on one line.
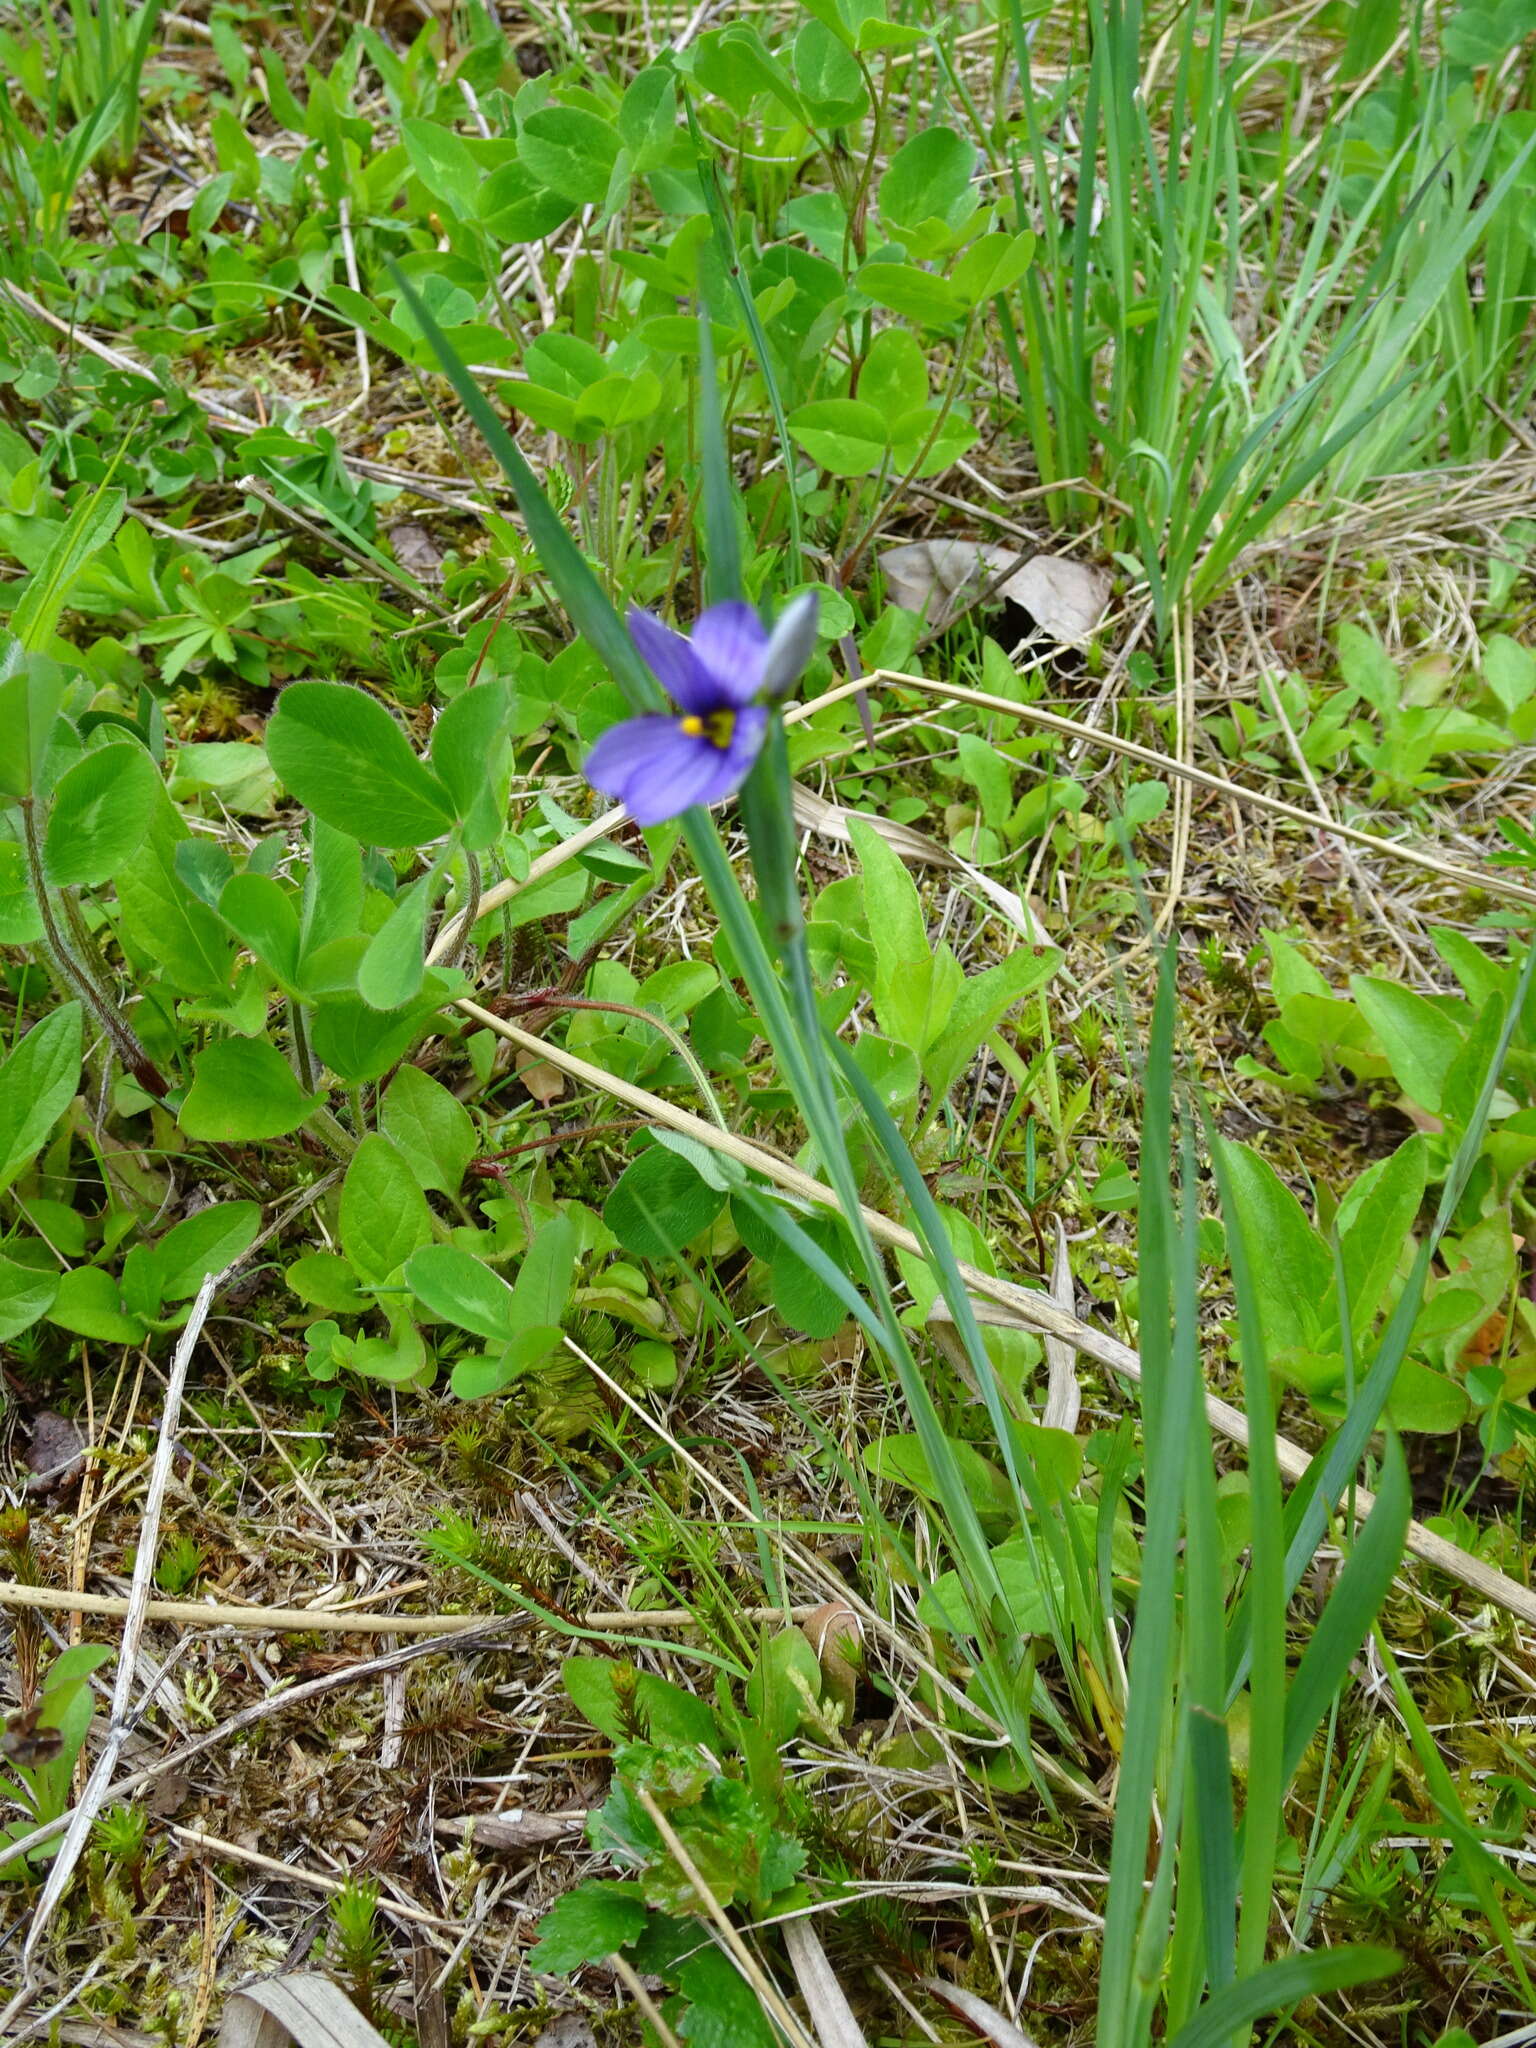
{"points": [[1352, 1608], [585, 602], [1150, 1706], [725, 242], [722, 539], [1281, 1985], [1484, 1873], [85, 533]]}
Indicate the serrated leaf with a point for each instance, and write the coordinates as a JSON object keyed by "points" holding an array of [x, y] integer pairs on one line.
{"points": [[590, 1923]]}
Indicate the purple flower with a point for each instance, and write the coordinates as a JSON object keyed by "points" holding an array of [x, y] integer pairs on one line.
{"points": [[658, 765]]}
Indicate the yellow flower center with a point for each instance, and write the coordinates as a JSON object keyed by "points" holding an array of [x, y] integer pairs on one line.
{"points": [[718, 728]]}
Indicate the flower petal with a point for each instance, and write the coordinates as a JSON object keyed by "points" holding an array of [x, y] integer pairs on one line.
{"points": [[746, 743], [627, 747], [673, 779], [658, 770], [728, 643], [790, 645], [673, 662]]}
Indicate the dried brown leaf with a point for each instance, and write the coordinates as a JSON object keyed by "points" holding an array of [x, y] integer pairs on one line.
{"points": [[306, 2009]]}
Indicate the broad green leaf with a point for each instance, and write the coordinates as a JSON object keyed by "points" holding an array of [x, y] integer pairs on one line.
{"points": [[243, 1089], [48, 589], [1031, 1591], [916, 988], [445, 165], [398, 1359], [980, 1005], [571, 151], [894, 379], [32, 689], [992, 265], [359, 1043], [1369, 670], [785, 1683], [662, 1712], [545, 1278], [829, 79], [326, 1281], [342, 756], [1289, 1264], [384, 1214], [588, 1924], [913, 293], [21, 922], [472, 755], [517, 207], [903, 1461], [648, 117], [1374, 1222], [26, 1292], [660, 1204], [844, 435], [926, 194], [202, 1244], [37, 1084], [163, 922], [892, 907], [462, 1290], [391, 971], [89, 1303], [99, 815], [1420, 1041], [431, 1127], [333, 887], [262, 915], [1425, 1400], [1509, 670], [474, 1379]]}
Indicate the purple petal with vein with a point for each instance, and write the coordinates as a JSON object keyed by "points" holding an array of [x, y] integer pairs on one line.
{"points": [[729, 642], [673, 663]]}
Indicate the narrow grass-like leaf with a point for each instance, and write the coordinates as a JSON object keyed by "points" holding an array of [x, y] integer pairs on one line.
{"points": [[1279, 1986], [722, 539], [586, 603], [1486, 1874], [1352, 1608], [1149, 1708], [725, 242], [47, 591]]}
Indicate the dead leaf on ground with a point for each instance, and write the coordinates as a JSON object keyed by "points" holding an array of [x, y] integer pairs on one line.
{"points": [[570, 2030], [417, 552], [941, 578], [517, 1829], [306, 2009], [56, 1452], [986, 2019], [814, 813], [544, 1083]]}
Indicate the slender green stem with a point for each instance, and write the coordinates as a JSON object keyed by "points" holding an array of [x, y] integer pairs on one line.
{"points": [[124, 1040]]}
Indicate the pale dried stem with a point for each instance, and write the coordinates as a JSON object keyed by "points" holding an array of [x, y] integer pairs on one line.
{"points": [[1003, 1302]]}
